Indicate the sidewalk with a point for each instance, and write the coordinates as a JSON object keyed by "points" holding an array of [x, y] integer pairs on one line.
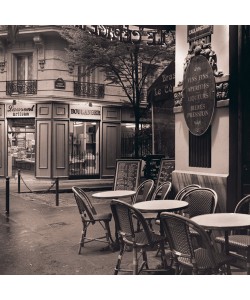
{"points": [[41, 238]]}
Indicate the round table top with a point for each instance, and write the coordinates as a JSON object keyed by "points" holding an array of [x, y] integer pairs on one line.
{"points": [[160, 205], [224, 221], [114, 194]]}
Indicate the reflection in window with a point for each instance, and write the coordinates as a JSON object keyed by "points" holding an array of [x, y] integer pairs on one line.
{"points": [[128, 136]]}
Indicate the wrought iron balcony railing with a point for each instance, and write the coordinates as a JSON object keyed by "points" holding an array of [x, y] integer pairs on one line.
{"points": [[87, 89], [21, 87]]}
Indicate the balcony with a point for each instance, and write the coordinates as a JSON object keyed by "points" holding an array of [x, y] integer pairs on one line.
{"points": [[86, 89], [21, 87]]}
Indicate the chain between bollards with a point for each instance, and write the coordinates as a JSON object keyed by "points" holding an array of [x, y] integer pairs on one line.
{"points": [[7, 195]]}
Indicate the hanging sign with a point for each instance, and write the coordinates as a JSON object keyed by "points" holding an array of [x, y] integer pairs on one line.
{"points": [[198, 95]]}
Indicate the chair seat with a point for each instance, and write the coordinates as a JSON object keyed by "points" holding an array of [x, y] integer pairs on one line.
{"points": [[101, 217], [141, 239], [203, 260], [239, 241]]}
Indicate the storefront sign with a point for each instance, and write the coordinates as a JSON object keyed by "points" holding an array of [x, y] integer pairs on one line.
{"points": [[85, 112], [198, 95], [60, 84], [195, 32], [20, 110], [162, 88]]}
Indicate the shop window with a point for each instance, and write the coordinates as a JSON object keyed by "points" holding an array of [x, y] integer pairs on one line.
{"points": [[200, 150], [128, 140], [84, 148], [21, 145]]}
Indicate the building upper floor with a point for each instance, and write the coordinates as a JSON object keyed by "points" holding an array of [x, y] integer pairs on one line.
{"points": [[34, 64]]}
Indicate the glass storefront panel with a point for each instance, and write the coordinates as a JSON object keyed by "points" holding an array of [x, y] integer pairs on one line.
{"points": [[84, 149], [127, 140], [21, 146]]}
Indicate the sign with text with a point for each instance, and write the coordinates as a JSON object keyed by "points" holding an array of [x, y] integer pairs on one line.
{"points": [[85, 112], [59, 84], [27, 110], [162, 88], [195, 32], [198, 95]]}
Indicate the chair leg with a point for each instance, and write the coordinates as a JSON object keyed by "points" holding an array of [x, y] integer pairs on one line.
{"points": [[135, 261], [119, 259], [108, 233], [83, 236], [163, 255], [145, 258]]}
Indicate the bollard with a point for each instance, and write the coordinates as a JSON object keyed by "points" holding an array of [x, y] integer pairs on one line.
{"points": [[57, 191], [7, 195], [19, 181]]}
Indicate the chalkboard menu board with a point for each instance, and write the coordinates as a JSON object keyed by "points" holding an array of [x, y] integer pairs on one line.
{"points": [[167, 166], [127, 175]]}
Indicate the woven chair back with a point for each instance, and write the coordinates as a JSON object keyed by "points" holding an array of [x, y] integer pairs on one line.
{"points": [[126, 216], [201, 201], [85, 207], [185, 189], [144, 191], [162, 192]]}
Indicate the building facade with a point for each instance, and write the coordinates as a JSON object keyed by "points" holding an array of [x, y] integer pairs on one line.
{"points": [[212, 109], [52, 121]]}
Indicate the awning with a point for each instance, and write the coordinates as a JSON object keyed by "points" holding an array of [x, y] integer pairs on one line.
{"points": [[162, 88]]}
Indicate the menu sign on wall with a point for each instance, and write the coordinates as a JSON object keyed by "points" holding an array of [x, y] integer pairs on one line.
{"points": [[198, 95]]}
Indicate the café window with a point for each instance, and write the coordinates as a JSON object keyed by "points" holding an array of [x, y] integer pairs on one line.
{"points": [[200, 150]]}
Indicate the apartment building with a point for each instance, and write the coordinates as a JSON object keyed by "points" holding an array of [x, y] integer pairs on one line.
{"points": [[54, 123]]}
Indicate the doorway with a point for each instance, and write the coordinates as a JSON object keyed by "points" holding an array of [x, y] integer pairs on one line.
{"points": [[21, 147]]}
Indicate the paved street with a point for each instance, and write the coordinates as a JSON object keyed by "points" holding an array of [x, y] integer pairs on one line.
{"points": [[41, 238]]}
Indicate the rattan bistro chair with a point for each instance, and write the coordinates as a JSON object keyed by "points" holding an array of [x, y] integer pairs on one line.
{"points": [[200, 201], [185, 189], [144, 191], [139, 241], [162, 191], [239, 240], [89, 216], [202, 260]]}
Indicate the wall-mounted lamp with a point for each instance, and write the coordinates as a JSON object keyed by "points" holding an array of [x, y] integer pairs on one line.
{"points": [[14, 102], [90, 104]]}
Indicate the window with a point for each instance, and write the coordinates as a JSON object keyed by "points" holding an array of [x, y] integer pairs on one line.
{"points": [[200, 150], [23, 67]]}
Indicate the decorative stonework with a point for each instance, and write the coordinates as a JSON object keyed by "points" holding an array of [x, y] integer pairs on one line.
{"points": [[202, 48], [222, 91], [222, 86], [39, 43]]}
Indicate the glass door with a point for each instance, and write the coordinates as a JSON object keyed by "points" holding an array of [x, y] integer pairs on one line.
{"points": [[84, 149]]}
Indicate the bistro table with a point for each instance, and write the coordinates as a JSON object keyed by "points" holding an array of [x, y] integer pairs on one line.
{"points": [[223, 221], [117, 194], [159, 206]]}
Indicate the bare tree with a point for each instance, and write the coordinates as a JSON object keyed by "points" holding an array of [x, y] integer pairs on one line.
{"points": [[121, 61]]}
